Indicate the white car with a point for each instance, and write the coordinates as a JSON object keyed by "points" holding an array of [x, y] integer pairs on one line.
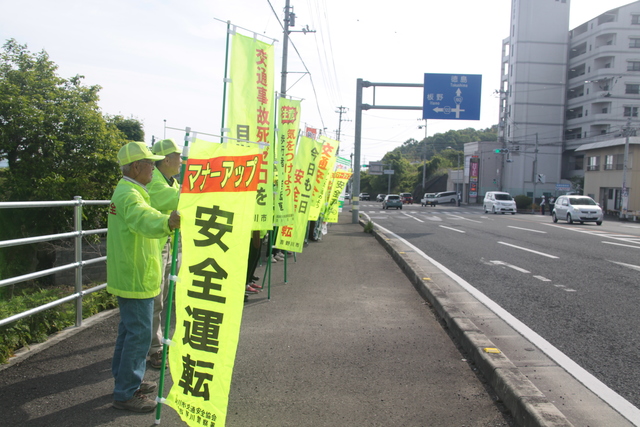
{"points": [[498, 201], [577, 208]]}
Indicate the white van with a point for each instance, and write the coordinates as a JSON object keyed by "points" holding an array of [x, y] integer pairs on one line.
{"points": [[498, 201], [446, 197]]}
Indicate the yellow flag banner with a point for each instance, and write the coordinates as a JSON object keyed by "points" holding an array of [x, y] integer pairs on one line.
{"points": [[323, 174], [340, 179], [217, 204], [305, 165], [288, 124], [250, 113]]}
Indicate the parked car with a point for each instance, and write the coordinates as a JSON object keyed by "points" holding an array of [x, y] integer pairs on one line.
{"points": [[446, 197], [347, 196], [364, 196], [428, 199], [380, 197], [577, 208], [406, 198], [498, 201], [392, 201]]}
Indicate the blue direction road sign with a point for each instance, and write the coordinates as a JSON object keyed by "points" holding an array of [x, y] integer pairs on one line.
{"points": [[452, 96]]}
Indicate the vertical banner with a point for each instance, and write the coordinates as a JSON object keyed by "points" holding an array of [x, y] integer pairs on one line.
{"points": [[288, 124], [340, 179], [311, 132], [305, 165], [251, 115], [217, 204], [323, 175]]}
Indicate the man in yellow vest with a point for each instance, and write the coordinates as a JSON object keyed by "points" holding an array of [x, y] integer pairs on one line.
{"points": [[134, 273], [164, 191]]}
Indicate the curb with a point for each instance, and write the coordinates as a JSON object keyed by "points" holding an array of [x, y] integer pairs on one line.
{"points": [[528, 405]]}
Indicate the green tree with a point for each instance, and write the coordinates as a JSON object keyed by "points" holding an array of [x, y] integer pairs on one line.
{"points": [[131, 128], [57, 144]]}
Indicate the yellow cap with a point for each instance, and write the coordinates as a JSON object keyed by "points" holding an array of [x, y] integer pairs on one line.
{"points": [[134, 151], [165, 147]]}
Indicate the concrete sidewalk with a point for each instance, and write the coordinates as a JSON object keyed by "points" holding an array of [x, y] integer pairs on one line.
{"points": [[346, 341]]}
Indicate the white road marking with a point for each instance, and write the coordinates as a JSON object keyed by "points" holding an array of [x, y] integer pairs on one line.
{"points": [[635, 267], [466, 219], [614, 400], [527, 229], [528, 250], [521, 270], [542, 278], [449, 228], [419, 220], [620, 244]]}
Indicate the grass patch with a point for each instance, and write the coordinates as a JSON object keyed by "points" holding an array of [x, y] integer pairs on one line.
{"points": [[37, 327]]}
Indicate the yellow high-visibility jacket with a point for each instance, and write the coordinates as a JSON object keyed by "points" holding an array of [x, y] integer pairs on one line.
{"points": [[134, 259], [164, 197]]}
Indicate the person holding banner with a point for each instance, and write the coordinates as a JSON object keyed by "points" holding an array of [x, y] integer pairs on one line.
{"points": [[164, 192], [134, 273]]}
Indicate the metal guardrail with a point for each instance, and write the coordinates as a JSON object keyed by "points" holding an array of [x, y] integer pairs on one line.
{"points": [[77, 235]]}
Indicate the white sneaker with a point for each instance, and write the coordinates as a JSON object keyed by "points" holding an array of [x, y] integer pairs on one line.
{"points": [[279, 256], [273, 258]]}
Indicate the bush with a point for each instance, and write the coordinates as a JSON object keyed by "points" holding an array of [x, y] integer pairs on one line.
{"points": [[523, 202], [37, 327], [368, 228]]}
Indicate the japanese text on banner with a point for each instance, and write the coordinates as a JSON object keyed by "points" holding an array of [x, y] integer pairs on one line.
{"points": [[216, 206]]}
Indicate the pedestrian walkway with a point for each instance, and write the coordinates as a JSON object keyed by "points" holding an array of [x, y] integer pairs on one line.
{"points": [[345, 341]]}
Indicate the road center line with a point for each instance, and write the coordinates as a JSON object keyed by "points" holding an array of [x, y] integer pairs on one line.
{"points": [[449, 228], [620, 244], [521, 270], [528, 250], [527, 229], [635, 267]]}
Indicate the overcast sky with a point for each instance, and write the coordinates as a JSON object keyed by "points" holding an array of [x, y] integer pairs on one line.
{"points": [[160, 60]]}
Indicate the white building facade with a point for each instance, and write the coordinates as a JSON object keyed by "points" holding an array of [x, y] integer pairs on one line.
{"points": [[561, 89]]}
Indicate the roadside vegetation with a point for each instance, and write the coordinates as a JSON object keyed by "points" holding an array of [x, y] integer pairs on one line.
{"points": [[37, 328], [443, 151], [58, 144]]}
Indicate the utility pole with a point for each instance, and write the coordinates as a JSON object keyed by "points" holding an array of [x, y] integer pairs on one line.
{"points": [[341, 110], [289, 21], [289, 18], [535, 172], [625, 190], [424, 161]]}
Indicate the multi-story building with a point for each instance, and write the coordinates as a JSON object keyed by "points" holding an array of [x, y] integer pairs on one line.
{"points": [[563, 89]]}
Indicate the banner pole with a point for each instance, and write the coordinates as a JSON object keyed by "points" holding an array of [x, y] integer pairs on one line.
{"points": [[174, 263], [226, 80]]}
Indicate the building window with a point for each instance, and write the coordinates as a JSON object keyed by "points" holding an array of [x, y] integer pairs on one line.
{"points": [[619, 162], [593, 163], [631, 111], [633, 66], [608, 162], [632, 89], [579, 163], [634, 43], [635, 19]]}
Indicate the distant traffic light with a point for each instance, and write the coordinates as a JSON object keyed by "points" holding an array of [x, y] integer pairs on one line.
{"points": [[501, 150]]}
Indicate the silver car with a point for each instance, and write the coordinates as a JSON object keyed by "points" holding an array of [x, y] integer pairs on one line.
{"points": [[392, 201], [577, 208]]}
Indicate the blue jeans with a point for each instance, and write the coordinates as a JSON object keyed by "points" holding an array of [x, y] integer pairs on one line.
{"points": [[133, 342]]}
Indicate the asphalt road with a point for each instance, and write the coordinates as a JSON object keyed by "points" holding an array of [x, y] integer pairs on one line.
{"points": [[575, 285]]}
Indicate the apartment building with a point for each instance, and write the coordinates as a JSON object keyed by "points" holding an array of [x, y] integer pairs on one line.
{"points": [[565, 89]]}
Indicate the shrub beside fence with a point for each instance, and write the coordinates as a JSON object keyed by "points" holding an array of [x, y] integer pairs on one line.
{"points": [[34, 324]]}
